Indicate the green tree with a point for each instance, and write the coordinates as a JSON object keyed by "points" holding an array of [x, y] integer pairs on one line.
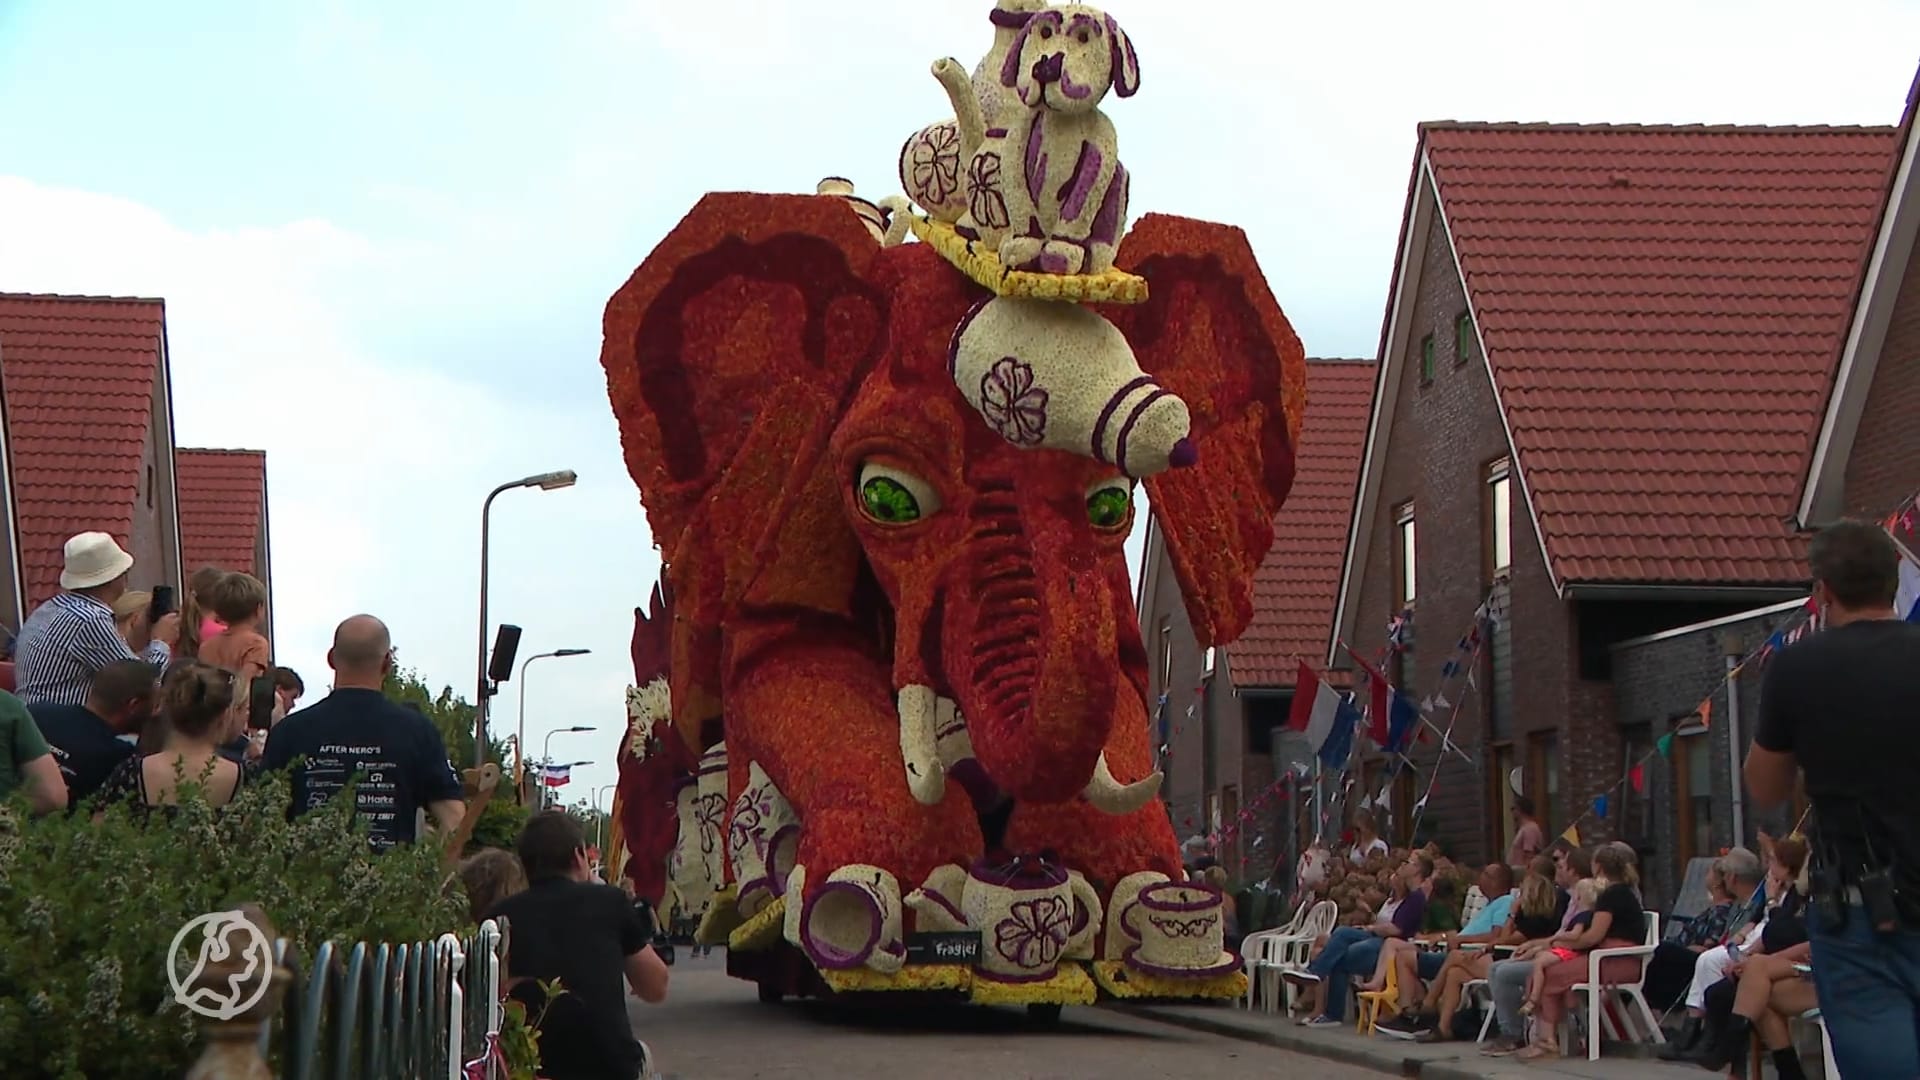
{"points": [[450, 713]]}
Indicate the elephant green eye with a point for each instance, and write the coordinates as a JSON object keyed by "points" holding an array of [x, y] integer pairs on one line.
{"points": [[894, 496], [1110, 505]]}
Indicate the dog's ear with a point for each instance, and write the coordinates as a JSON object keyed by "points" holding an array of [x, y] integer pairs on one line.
{"points": [[1126, 63], [1012, 71]]}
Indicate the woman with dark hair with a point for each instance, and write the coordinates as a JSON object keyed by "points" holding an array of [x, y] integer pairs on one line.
{"points": [[194, 701]]}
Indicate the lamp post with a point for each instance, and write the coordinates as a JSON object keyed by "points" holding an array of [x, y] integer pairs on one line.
{"points": [[520, 759], [605, 819], [546, 752], [551, 481]]}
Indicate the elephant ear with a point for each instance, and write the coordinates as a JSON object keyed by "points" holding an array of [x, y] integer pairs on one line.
{"points": [[730, 354], [1212, 333]]}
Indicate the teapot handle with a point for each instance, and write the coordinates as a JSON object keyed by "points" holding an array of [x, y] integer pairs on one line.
{"points": [[1088, 915]]}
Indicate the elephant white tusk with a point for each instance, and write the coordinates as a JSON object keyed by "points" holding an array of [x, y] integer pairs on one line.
{"points": [[919, 745], [1113, 797]]}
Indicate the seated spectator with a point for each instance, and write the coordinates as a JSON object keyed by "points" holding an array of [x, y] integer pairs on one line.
{"points": [[1353, 951], [1366, 839], [1734, 885], [396, 753], [1782, 933], [1507, 979], [1778, 895], [1618, 919], [68, 639], [1217, 878], [197, 623], [490, 876], [1419, 966], [194, 700], [587, 936], [26, 761], [91, 741]]}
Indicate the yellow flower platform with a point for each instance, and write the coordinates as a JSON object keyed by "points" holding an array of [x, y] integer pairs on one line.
{"points": [[1121, 981], [983, 265]]}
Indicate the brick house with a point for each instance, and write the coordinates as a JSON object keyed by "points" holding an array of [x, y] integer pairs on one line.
{"points": [[1864, 462], [88, 439], [1239, 695], [1603, 366], [223, 514]]}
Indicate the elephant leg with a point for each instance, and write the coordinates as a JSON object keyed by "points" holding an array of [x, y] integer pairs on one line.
{"points": [[816, 712]]}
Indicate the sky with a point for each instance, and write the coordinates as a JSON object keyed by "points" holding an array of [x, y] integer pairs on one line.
{"points": [[385, 232]]}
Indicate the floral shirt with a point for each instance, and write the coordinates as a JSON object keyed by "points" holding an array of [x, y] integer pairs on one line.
{"points": [[1709, 928]]}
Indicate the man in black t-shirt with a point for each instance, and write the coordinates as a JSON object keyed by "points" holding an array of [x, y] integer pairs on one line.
{"points": [[90, 741], [1841, 708], [568, 927], [394, 755]]}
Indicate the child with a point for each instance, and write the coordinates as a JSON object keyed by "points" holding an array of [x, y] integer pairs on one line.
{"points": [[240, 601], [196, 622], [490, 876], [1585, 892]]}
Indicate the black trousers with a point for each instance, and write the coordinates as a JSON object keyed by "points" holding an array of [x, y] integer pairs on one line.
{"points": [[1669, 973]]}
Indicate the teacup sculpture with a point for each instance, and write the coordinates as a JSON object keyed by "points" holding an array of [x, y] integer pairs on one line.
{"points": [[892, 484]]}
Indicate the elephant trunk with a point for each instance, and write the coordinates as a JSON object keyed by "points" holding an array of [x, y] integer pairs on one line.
{"points": [[1031, 657]]}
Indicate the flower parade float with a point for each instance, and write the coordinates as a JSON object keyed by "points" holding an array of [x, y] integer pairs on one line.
{"points": [[889, 729]]}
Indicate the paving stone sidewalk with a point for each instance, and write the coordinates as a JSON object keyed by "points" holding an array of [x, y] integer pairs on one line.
{"points": [[1429, 1061]]}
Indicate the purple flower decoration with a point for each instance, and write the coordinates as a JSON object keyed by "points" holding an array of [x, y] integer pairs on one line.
{"points": [[711, 809], [1034, 932], [984, 200], [747, 818], [1012, 405], [935, 162]]}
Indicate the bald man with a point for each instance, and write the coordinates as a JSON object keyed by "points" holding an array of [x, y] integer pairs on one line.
{"points": [[393, 754]]}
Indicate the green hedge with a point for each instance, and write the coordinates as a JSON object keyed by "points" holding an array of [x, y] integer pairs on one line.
{"points": [[87, 913]]}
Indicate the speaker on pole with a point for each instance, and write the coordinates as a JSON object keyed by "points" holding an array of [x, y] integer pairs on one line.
{"points": [[506, 645]]}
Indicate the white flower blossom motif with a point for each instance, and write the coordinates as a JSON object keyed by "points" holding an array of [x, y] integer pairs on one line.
{"points": [[1034, 932], [647, 707], [1011, 404], [935, 162]]}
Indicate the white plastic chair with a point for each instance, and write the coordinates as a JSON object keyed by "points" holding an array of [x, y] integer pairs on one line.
{"points": [[1476, 900], [1290, 953], [1253, 950], [1632, 993]]}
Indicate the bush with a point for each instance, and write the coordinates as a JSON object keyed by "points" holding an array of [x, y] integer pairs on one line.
{"points": [[87, 913], [500, 823]]}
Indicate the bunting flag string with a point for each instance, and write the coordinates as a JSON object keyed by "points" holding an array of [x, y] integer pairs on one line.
{"points": [[1446, 738], [1804, 621]]}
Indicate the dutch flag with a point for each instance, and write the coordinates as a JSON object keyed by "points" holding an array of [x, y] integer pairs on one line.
{"points": [[1325, 717], [1907, 600]]}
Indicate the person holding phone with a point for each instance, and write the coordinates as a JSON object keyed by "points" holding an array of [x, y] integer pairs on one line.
{"points": [[240, 601], [73, 635]]}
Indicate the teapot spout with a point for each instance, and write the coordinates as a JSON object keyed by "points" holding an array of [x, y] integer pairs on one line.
{"points": [[936, 904]]}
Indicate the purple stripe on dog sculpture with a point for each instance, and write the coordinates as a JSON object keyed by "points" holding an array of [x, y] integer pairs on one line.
{"points": [[1086, 173]]}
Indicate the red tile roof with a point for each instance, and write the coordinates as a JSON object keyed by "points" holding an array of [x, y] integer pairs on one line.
{"points": [[222, 494], [78, 375], [1298, 583], [1663, 308]]}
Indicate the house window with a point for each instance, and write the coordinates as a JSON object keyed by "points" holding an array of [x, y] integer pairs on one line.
{"points": [[1206, 662], [1501, 779], [1499, 519], [1426, 360], [1693, 793], [1406, 554], [1499, 647], [149, 487], [1543, 776], [1166, 654], [1463, 338]]}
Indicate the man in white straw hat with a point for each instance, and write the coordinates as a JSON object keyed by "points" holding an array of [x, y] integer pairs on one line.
{"points": [[72, 636]]}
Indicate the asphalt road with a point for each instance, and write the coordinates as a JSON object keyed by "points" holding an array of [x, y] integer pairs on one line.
{"points": [[713, 1028]]}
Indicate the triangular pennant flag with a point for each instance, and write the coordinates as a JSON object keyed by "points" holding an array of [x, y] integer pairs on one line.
{"points": [[1600, 807], [1366, 803], [1706, 713], [1637, 776], [1572, 835], [1421, 806], [1427, 705], [1440, 701], [1665, 745], [1385, 797]]}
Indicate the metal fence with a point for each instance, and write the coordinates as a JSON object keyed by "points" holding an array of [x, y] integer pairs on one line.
{"points": [[384, 1011]]}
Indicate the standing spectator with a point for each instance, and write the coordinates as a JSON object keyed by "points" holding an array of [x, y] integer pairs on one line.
{"points": [[90, 741], [395, 753], [26, 761], [1838, 707], [288, 687], [1529, 839], [490, 876], [568, 927], [240, 602], [1366, 839], [194, 698], [132, 606], [72, 636], [197, 623]]}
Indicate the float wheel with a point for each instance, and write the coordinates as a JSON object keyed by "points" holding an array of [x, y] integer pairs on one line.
{"points": [[770, 993]]}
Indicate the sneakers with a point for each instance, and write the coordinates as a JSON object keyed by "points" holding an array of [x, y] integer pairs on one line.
{"points": [[1324, 1021], [1419, 1028]]}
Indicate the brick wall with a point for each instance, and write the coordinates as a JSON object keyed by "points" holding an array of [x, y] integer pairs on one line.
{"points": [[1444, 436], [1666, 676], [1885, 464]]}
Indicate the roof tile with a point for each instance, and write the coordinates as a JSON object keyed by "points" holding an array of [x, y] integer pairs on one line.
{"points": [[1296, 586], [1663, 308], [222, 493], [78, 374]]}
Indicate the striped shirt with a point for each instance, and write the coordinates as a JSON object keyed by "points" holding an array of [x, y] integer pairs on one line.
{"points": [[63, 643]]}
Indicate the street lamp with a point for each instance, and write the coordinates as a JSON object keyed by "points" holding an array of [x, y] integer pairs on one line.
{"points": [[520, 758], [549, 481], [546, 751], [605, 819]]}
